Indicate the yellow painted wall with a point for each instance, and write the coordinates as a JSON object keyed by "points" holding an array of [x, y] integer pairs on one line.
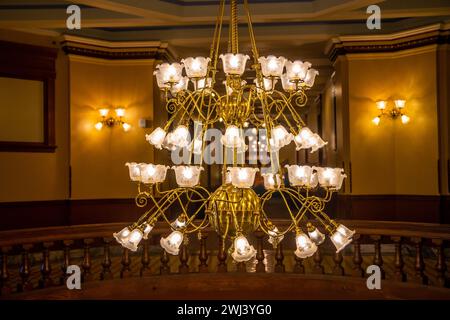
{"points": [[394, 158], [98, 157]]}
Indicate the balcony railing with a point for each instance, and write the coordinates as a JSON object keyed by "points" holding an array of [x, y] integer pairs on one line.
{"points": [[36, 259]]}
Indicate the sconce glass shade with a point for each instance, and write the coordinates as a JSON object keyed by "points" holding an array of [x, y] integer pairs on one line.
{"points": [[168, 73], [307, 139], [242, 177], [271, 181], [339, 241], [234, 64], [376, 121], [187, 176], [381, 105], [405, 119], [400, 103], [122, 235], [181, 85], [330, 177], [274, 236], [229, 90], [134, 171], [305, 247], [243, 251], [297, 70], [269, 85], [311, 77], [172, 243], [151, 173], [120, 112], [156, 138], [272, 66], [147, 229], [280, 137], [126, 127], [180, 137], [103, 112], [196, 67], [301, 176], [315, 235], [133, 240], [204, 83], [232, 137], [287, 84], [98, 126]]}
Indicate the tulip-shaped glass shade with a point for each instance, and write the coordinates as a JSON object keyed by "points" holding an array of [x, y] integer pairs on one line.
{"points": [[232, 137], [156, 138], [120, 112], [103, 112], [180, 137], [376, 120], [234, 64], [204, 83], [134, 170], [305, 247], [151, 173], [307, 139], [133, 240], [179, 86], [274, 236], [271, 181], [405, 119], [242, 177], [301, 176], [310, 77], [187, 176], [269, 85], [179, 223], [98, 126], [147, 229], [287, 84], [122, 235], [280, 137], [272, 66], [339, 240], [381, 105], [331, 177], [346, 232], [297, 70], [168, 73], [243, 251], [315, 235], [400, 103], [172, 243], [196, 67]]}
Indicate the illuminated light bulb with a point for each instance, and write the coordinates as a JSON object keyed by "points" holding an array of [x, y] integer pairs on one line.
{"points": [[243, 175], [315, 235], [148, 228], [187, 173], [134, 171], [172, 243], [400, 103], [122, 235], [133, 240], [156, 138], [120, 112], [243, 251], [376, 121], [245, 124], [405, 119], [103, 112], [98, 126], [126, 127], [305, 247], [234, 62], [339, 241], [381, 105]]}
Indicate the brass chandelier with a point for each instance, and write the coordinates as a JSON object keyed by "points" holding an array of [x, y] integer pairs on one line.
{"points": [[235, 209]]}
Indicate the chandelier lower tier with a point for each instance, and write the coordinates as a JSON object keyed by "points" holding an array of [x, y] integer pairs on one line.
{"points": [[197, 102]]}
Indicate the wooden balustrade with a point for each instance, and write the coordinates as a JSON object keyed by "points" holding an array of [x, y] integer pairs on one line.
{"points": [[23, 251]]}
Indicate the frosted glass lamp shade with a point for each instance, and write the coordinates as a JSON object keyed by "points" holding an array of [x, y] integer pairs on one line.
{"points": [[147, 229], [306, 139], [151, 173], [168, 73], [316, 236], [400, 103], [301, 176], [134, 171], [232, 138], [271, 181], [196, 67], [204, 83], [243, 251], [297, 69], [242, 177], [339, 240], [133, 240], [187, 176], [234, 64], [267, 86], [330, 177], [156, 138], [275, 237], [180, 137], [280, 137], [305, 247], [310, 77], [179, 223], [172, 243], [272, 66], [179, 86], [122, 235], [346, 232], [287, 84]]}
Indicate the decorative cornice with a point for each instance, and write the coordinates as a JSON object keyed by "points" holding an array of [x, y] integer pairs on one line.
{"points": [[123, 50], [434, 34]]}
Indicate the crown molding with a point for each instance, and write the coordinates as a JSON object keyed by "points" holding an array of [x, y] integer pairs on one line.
{"points": [[388, 43], [115, 50]]}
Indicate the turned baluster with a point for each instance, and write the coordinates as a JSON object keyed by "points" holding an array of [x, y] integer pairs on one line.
{"points": [[164, 269], [298, 267], [419, 266], [279, 257], [377, 258], [184, 257], [5, 287], [440, 266], [125, 271], [318, 268], [203, 254], [106, 264], [222, 256], [46, 268], [357, 270], [399, 274], [87, 276], [260, 267], [24, 269], [66, 261], [145, 260], [338, 269]]}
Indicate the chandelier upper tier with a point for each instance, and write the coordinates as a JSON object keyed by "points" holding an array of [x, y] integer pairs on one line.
{"points": [[196, 103]]}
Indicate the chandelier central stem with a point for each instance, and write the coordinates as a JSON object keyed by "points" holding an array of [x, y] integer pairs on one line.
{"points": [[234, 27]]}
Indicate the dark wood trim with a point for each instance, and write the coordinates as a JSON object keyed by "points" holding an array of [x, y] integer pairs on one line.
{"points": [[22, 61]]}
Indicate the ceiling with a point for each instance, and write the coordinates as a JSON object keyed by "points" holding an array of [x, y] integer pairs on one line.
{"points": [[297, 29]]}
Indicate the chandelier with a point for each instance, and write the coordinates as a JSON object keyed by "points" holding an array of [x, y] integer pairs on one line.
{"points": [[198, 102]]}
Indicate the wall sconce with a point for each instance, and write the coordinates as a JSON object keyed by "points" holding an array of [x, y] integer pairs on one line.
{"points": [[111, 121], [393, 113]]}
